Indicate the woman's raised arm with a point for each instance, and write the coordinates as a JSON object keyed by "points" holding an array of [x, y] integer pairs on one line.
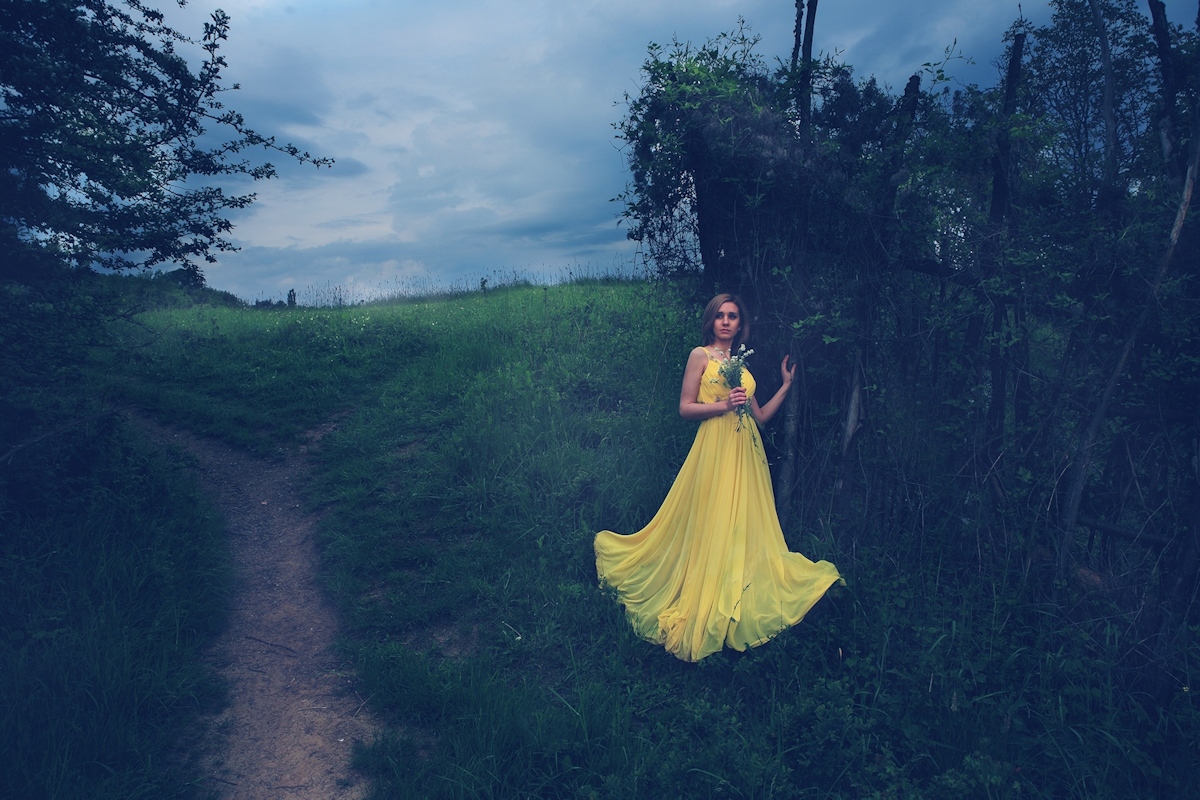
{"points": [[764, 413]]}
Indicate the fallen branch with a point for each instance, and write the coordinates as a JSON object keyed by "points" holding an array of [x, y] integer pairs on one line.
{"points": [[272, 644], [1133, 536]]}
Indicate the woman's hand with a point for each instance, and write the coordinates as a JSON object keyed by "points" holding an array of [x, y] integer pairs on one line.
{"points": [[787, 373], [737, 397]]}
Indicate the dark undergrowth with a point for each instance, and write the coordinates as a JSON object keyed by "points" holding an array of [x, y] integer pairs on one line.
{"points": [[113, 574]]}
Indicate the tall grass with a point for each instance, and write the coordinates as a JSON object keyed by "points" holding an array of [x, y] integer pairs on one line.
{"points": [[481, 440], [112, 574]]}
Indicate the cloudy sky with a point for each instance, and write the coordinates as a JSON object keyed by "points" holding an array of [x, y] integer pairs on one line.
{"points": [[474, 138]]}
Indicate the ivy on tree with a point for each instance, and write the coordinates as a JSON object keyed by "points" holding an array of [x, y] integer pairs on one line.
{"points": [[111, 144]]}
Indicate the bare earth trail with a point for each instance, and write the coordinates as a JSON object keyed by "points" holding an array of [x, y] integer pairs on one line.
{"points": [[292, 716]]}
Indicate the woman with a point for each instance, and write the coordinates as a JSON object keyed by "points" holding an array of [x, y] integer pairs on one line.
{"points": [[712, 568]]}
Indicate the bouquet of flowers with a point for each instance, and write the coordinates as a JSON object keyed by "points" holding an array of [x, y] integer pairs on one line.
{"points": [[731, 370]]}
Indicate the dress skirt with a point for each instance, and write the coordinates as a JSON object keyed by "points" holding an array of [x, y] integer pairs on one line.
{"points": [[712, 569]]}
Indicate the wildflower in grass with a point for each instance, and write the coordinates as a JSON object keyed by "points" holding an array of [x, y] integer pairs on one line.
{"points": [[731, 370]]}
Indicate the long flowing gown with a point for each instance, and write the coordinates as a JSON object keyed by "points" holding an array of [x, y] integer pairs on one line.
{"points": [[712, 568]]}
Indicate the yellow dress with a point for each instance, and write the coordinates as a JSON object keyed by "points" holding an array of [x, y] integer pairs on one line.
{"points": [[712, 568]]}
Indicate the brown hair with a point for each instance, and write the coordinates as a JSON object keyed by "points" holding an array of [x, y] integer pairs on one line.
{"points": [[710, 317]]}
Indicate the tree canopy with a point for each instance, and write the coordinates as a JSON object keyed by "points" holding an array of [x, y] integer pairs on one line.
{"points": [[111, 148]]}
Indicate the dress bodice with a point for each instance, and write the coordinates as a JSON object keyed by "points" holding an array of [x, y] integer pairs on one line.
{"points": [[713, 388]]}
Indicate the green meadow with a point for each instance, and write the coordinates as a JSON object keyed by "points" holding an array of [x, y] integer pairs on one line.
{"points": [[472, 446]]}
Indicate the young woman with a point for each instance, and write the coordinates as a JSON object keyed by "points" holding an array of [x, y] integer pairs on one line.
{"points": [[712, 568]]}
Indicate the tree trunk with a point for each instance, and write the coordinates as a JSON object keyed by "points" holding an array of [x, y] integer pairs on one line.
{"points": [[714, 221], [1002, 160], [804, 92], [785, 480], [1000, 212], [1168, 117], [850, 428], [797, 34], [1109, 196]]}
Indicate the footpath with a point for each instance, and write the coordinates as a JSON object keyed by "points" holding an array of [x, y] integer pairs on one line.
{"points": [[293, 714]]}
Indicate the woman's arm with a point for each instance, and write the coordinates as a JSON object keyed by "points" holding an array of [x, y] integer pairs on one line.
{"points": [[689, 394], [764, 413]]}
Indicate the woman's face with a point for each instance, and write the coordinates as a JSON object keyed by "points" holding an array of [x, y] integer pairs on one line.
{"points": [[727, 322]]}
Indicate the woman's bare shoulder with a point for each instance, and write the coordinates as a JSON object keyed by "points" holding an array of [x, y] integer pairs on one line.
{"points": [[698, 357]]}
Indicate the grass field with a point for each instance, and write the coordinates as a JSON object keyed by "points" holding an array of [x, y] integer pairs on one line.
{"points": [[476, 444]]}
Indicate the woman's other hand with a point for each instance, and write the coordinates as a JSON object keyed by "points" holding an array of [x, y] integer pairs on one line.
{"points": [[786, 372], [737, 397]]}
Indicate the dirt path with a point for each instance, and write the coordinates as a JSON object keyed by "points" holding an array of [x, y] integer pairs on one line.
{"points": [[293, 715]]}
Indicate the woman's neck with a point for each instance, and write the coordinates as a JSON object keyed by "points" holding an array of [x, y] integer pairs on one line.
{"points": [[724, 345]]}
